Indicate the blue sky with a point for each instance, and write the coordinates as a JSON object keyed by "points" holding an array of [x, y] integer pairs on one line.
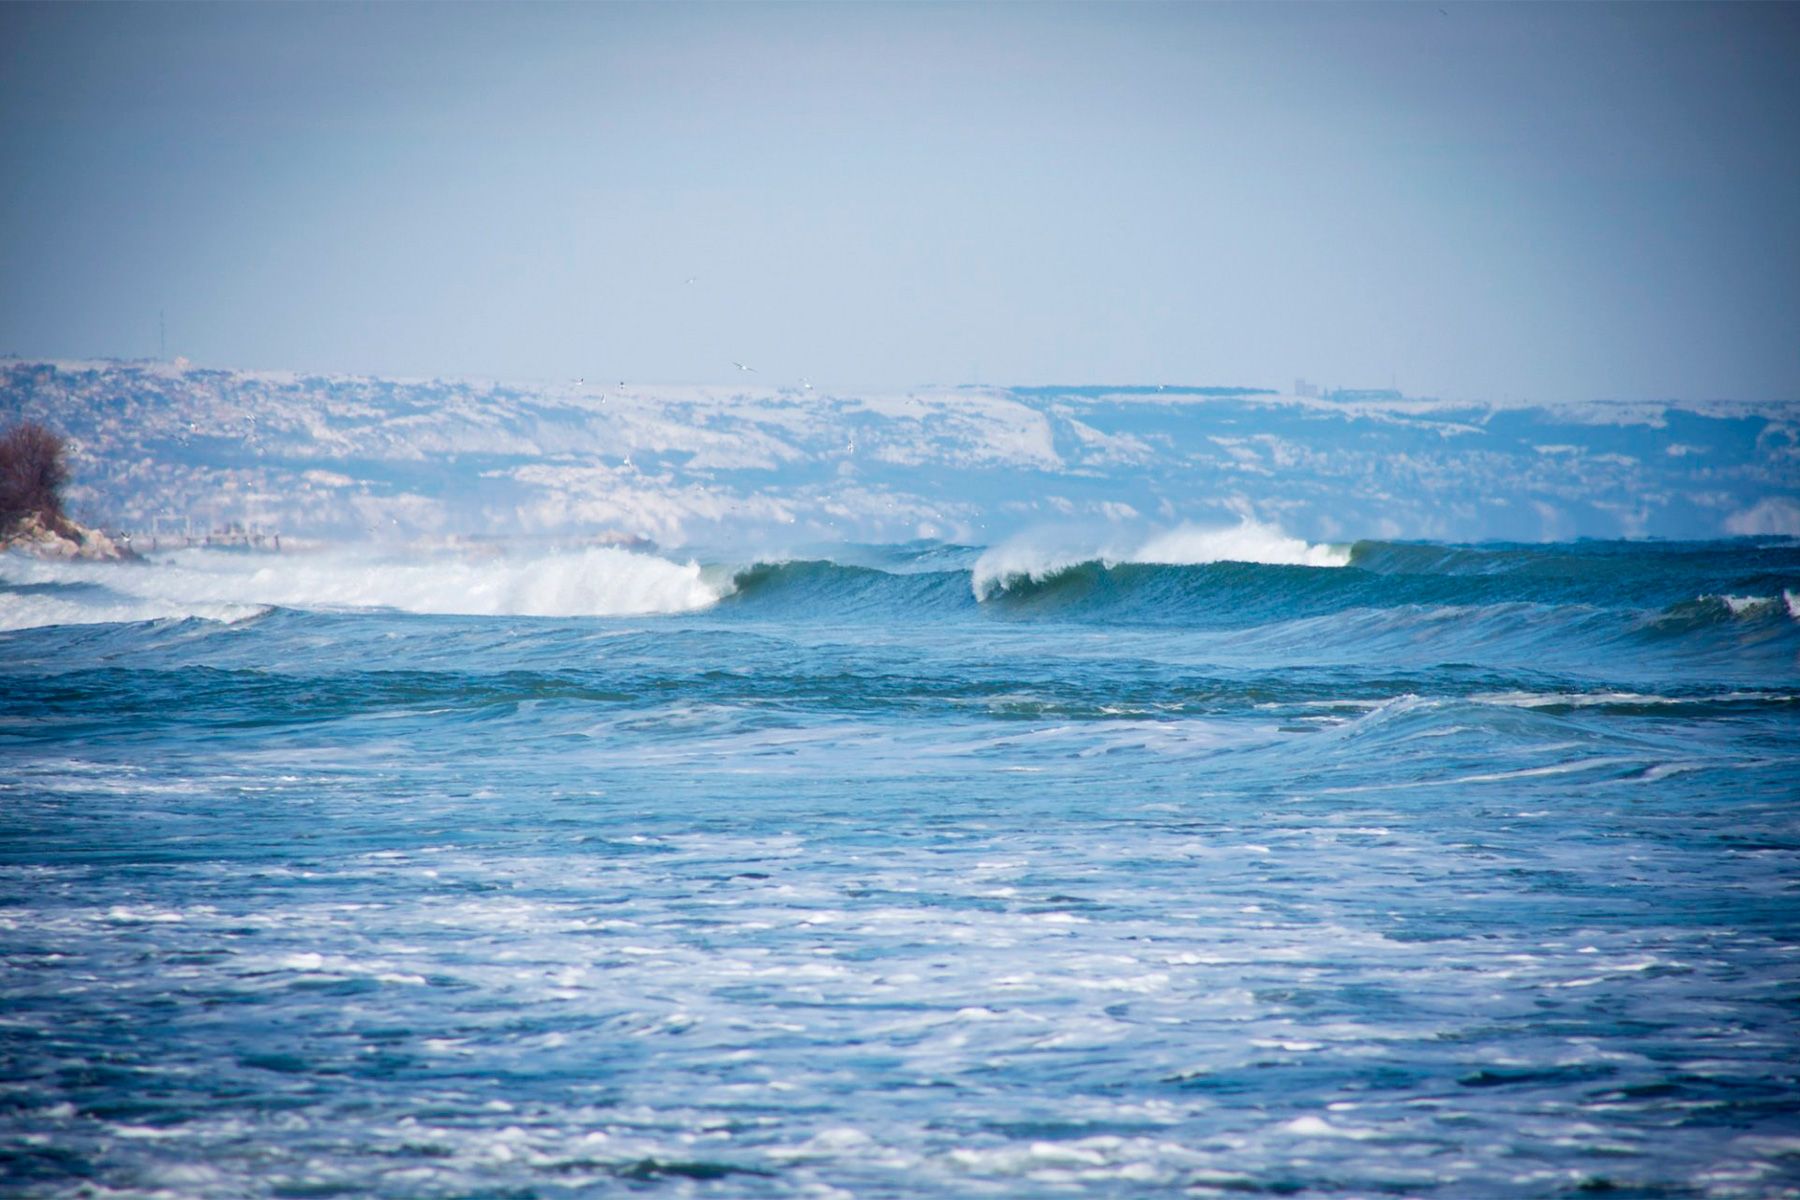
{"points": [[1554, 202]]}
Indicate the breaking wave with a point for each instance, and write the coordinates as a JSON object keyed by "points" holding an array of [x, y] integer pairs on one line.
{"points": [[1035, 559], [226, 586], [1251, 579], [38, 609]]}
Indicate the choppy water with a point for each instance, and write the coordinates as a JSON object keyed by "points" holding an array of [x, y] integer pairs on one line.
{"points": [[1452, 871]]}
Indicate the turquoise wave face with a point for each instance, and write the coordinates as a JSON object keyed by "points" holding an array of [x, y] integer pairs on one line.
{"points": [[910, 870]]}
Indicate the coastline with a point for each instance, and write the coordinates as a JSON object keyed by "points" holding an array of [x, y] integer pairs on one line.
{"points": [[59, 537]]}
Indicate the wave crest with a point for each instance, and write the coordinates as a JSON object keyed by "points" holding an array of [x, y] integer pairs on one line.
{"points": [[597, 582], [1033, 560]]}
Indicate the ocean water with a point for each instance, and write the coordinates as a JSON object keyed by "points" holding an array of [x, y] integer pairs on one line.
{"points": [[922, 870]]}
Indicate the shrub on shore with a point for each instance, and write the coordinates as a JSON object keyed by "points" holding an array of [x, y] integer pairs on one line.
{"points": [[33, 468], [34, 465]]}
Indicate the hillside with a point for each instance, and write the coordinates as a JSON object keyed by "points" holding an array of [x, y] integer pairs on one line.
{"points": [[156, 446]]}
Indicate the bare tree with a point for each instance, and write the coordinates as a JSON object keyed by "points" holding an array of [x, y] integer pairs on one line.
{"points": [[33, 468]]}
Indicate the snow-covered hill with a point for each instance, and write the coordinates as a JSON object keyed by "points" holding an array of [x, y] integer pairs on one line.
{"points": [[164, 446]]}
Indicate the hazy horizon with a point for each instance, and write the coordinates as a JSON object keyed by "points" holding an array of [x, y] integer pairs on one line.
{"points": [[1467, 201]]}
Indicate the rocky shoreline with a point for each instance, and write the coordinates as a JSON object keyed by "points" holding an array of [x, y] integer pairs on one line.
{"points": [[59, 537]]}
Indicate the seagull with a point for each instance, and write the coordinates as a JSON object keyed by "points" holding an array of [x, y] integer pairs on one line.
{"points": [[691, 279], [806, 383], [740, 366]]}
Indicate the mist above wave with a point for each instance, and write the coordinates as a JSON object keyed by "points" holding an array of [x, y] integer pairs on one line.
{"points": [[1036, 557], [597, 581]]}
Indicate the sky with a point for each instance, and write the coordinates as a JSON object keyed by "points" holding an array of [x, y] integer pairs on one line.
{"points": [[1479, 202]]}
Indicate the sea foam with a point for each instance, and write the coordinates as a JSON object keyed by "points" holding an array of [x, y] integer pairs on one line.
{"points": [[1036, 557], [214, 585]]}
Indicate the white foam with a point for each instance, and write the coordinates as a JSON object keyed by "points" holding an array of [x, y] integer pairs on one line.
{"points": [[596, 581], [1317, 1127], [38, 611], [1592, 699], [1743, 605], [1248, 542], [1038, 557]]}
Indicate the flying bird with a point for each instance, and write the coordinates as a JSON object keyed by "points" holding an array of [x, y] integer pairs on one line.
{"points": [[740, 366]]}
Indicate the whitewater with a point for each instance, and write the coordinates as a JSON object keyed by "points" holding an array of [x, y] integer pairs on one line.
{"points": [[1094, 862]]}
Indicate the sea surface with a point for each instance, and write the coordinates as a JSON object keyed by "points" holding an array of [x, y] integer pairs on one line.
{"points": [[1385, 869]]}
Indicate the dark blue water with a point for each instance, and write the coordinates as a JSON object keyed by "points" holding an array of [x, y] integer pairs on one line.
{"points": [[1453, 871]]}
